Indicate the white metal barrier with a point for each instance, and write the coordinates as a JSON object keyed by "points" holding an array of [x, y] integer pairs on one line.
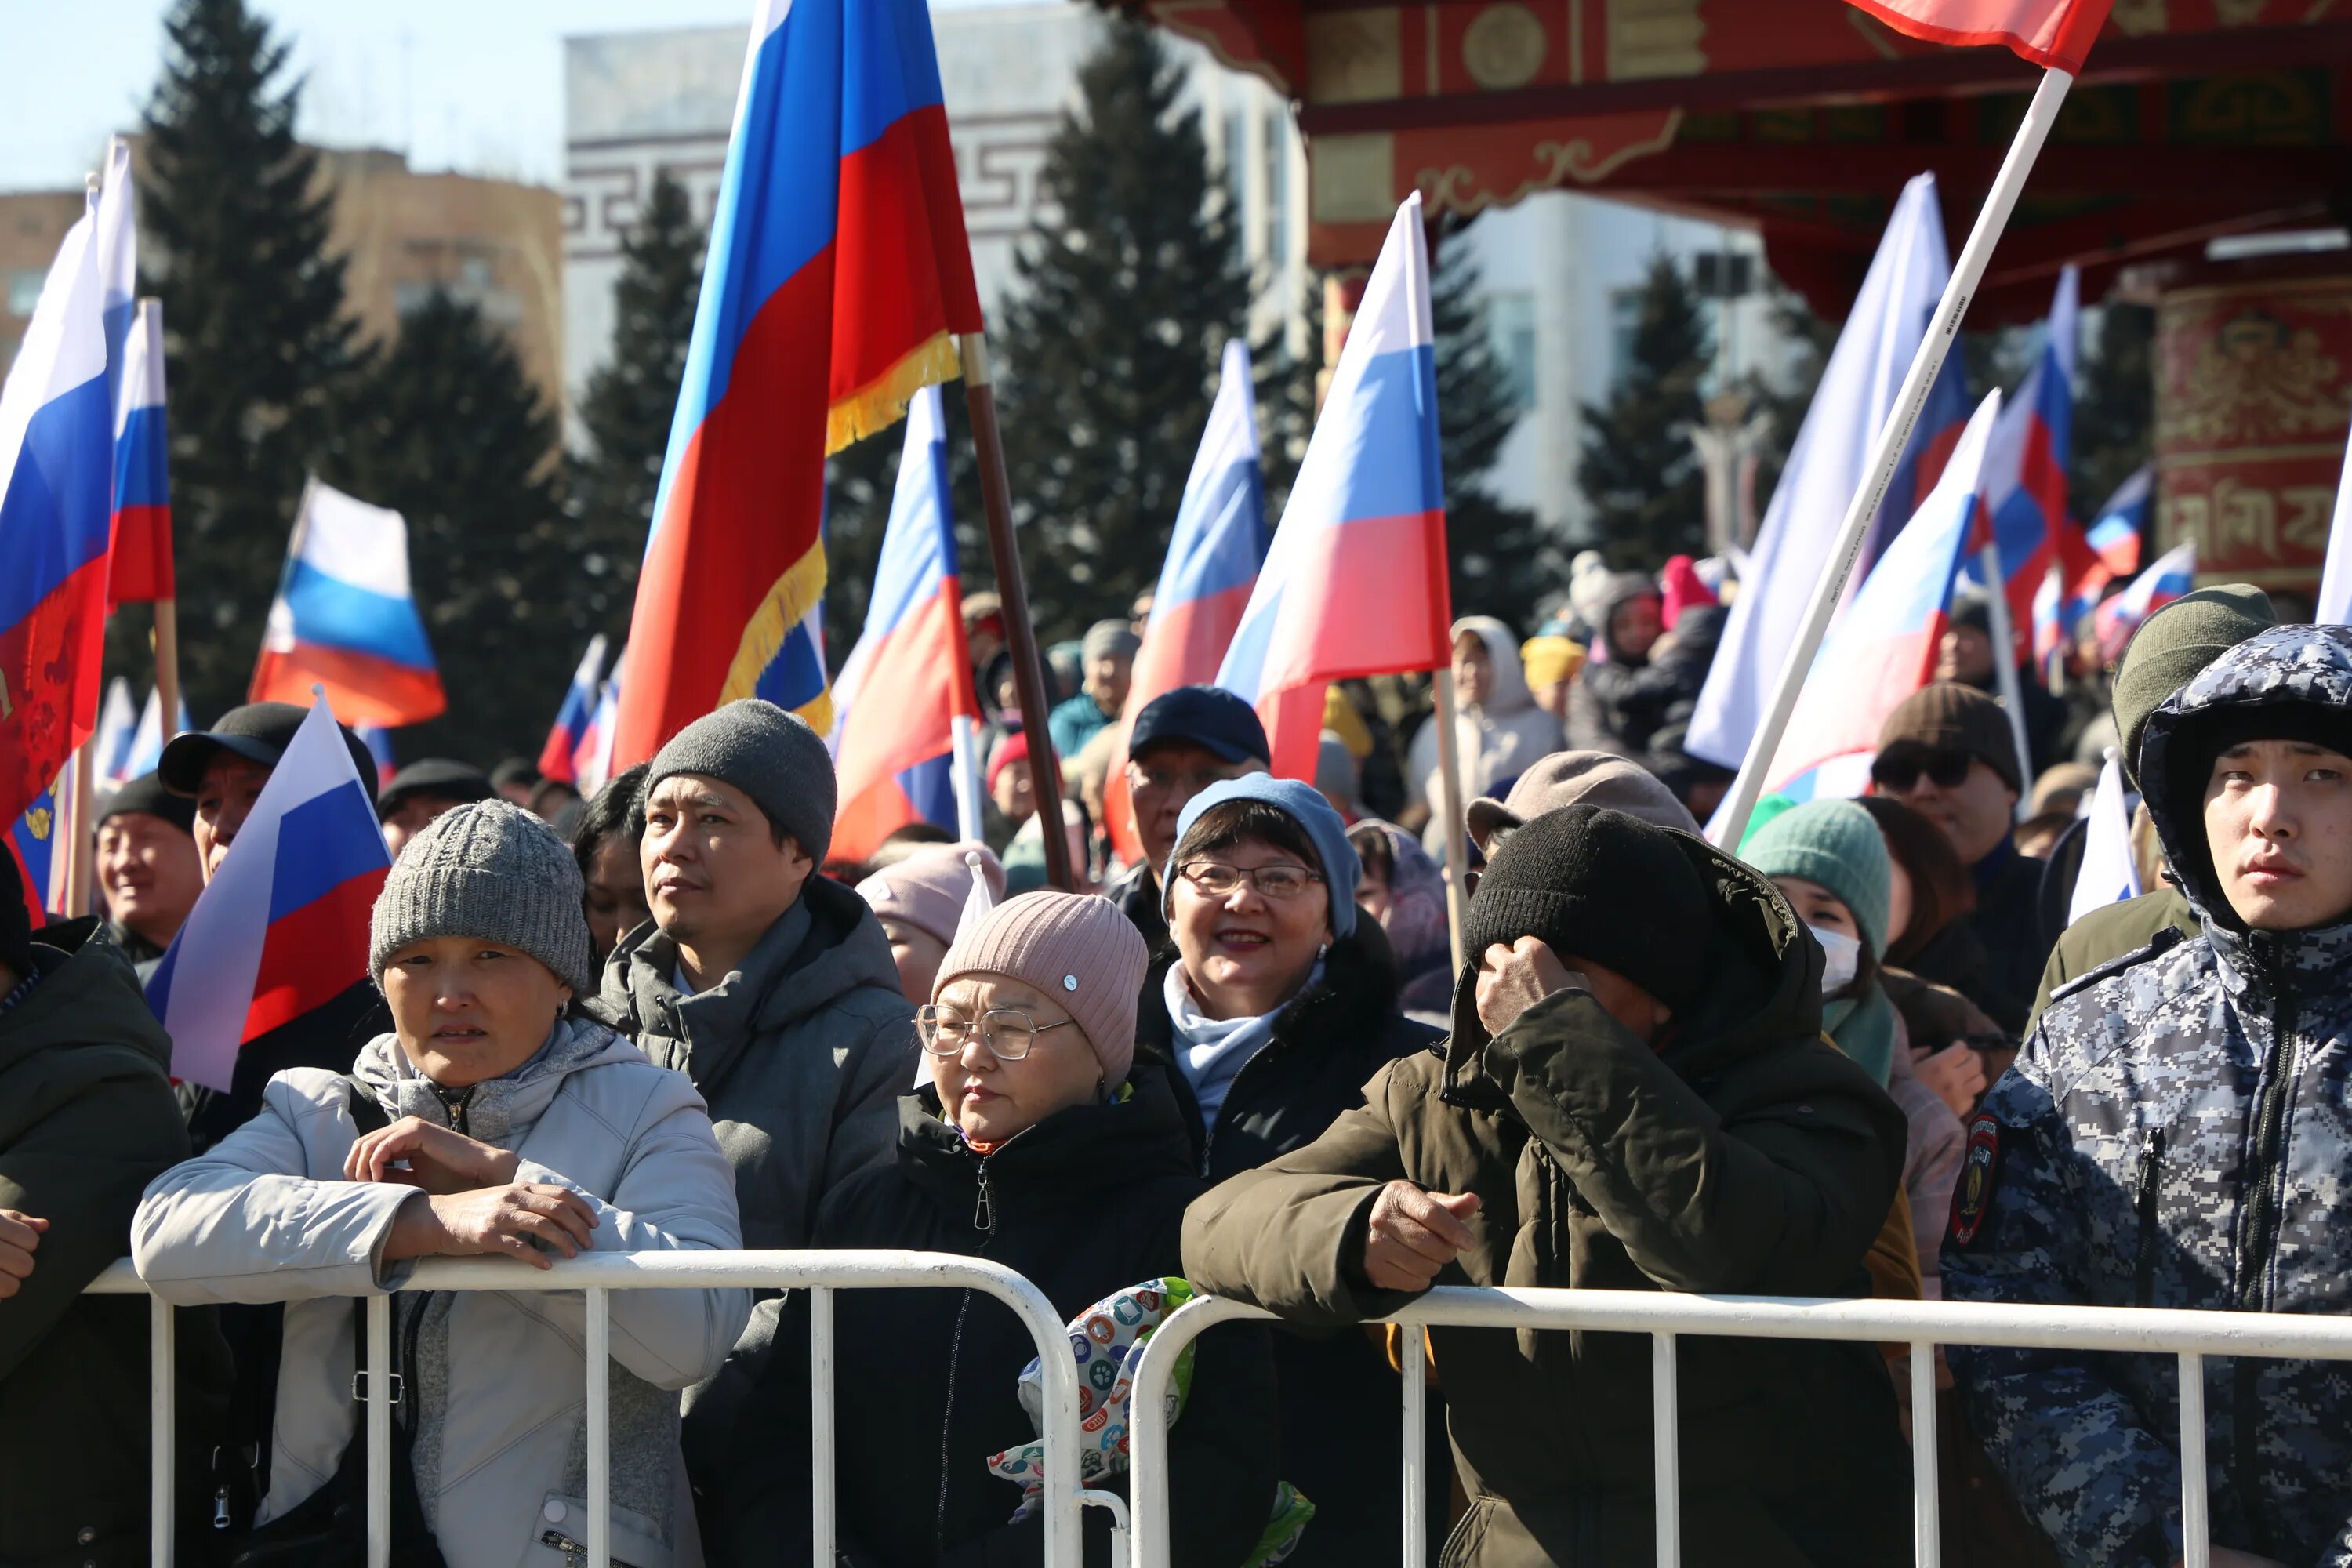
{"points": [[1923, 1325], [820, 1274]]}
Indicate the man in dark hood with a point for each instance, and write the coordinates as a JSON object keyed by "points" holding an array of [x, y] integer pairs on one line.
{"points": [[2175, 1134]]}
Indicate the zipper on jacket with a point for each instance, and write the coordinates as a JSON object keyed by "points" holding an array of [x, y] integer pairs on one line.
{"points": [[572, 1551], [984, 1210], [2144, 1197], [947, 1421], [1208, 1127]]}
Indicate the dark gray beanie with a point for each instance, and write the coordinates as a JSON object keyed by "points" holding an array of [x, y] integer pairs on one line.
{"points": [[768, 754], [489, 869]]}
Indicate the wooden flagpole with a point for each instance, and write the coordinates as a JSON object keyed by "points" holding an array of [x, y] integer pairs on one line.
{"points": [[1893, 436], [1457, 823], [1004, 551], [167, 665]]}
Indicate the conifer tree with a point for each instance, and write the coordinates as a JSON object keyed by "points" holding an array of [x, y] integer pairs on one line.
{"points": [[1496, 552], [631, 398], [1639, 470], [2115, 404]]}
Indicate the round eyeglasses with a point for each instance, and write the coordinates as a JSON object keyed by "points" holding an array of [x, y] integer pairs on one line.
{"points": [[1007, 1032]]}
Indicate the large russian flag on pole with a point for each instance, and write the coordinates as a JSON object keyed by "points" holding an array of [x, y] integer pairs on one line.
{"points": [[282, 927], [56, 478], [142, 489], [346, 619], [908, 679], [1883, 645], [2025, 466], [838, 280], [1213, 555], [2053, 34], [1356, 583], [555, 757]]}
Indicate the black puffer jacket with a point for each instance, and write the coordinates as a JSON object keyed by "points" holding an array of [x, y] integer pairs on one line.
{"points": [[1088, 1202]]}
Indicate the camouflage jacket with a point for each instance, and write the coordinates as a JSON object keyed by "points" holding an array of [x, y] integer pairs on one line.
{"points": [[2177, 1132]]}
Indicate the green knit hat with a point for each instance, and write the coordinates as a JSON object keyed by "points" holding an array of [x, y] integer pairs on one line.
{"points": [[2173, 647], [1836, 844]]}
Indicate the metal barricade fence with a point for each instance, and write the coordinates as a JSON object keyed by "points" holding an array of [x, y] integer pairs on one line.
{"points": [[820, 1274], [1923, 1325]]}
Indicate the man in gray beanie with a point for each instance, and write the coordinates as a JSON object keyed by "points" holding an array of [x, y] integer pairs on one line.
{"points": [[1109, 666], [770, 986]]}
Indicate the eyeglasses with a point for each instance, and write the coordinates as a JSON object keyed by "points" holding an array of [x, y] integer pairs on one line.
{"points": [[1219, 880], [1896, 772], [1007, 1033]]}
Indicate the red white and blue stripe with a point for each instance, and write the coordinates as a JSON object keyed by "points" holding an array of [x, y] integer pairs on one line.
{"points": [[1214, 552], [117, 735], [1827, 466], [377, 739], [908, 684], [1883, 645], [142, 489], [2174, 573], [282, 927], [555, 757], [345, 617], [2115, 536], [117, 241], [838, 281], [56, 480], [592, 760], [2026, 466], [1356, 583]]}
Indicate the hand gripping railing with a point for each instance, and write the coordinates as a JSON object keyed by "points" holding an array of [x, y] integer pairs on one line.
{"points": [[1923, 1325], [818, 1273]]}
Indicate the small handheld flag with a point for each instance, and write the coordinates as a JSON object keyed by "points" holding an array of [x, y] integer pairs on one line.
{"points": [[2025, 465], [2053, 34], [2108, 874], [592, 760], [282, 927], [555, 758], [117, 735], [2174, 573], [346, 619]]}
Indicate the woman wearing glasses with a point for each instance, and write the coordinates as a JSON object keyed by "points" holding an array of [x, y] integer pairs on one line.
{"points": [[1281, 1003], [1044, 1142]]}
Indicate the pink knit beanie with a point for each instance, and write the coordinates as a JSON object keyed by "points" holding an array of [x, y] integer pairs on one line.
{"points": [[1075, 947], [928, 889]]}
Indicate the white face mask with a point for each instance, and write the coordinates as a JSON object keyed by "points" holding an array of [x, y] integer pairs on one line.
{"points": [[1841, 955]]}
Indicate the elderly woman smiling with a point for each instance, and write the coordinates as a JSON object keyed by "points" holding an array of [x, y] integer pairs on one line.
{"points": [[505, 1122]]}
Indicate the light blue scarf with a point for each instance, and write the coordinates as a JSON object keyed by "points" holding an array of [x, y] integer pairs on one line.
{"points": [[1211, 1052]]}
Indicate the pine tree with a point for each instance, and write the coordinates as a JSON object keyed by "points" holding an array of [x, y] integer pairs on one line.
{"points": [[261, 351], [1639, 470], [629, 402], [1112, 336], [2115, 406], [1496, 552], [450, 433]]}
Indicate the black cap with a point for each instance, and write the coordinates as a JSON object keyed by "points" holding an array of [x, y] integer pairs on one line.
{"points": [[259, 732], [146, 793], [439, 777], [1204, 716], [515, 771]]}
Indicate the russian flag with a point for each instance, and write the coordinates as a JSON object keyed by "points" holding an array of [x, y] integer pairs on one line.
{"points": [[345, 617], [32, 843], [2108, 874], [1884, 644], [2174, 573], [146, 752], [2053, 34], [1827, 465], [1356, 583], [2122, 524], [56, 480], [1213, 555], [591, 760], [118, 260], [117, 735], [378, 742], [572, 720], [2025, 466], [838, 280], [907, 683], [142, 491], [282, 927]]}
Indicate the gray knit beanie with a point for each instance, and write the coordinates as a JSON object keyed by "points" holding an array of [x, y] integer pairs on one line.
{"points": [[770, 755], [492, 871]]}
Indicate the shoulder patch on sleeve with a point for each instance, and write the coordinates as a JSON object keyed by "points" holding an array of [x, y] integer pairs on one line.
{"points": [[2163, 942], [1972, 1193]]}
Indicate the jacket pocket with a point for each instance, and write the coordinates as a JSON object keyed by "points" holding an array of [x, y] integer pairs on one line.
{"points": [[560, 1535], [2145, 1190]]}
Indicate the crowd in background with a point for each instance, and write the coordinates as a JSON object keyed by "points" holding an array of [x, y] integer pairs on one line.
{"points": [[1241, 1059]]}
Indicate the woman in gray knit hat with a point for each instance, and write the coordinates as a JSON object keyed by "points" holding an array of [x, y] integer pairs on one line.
{"points": [[505, 1119]]}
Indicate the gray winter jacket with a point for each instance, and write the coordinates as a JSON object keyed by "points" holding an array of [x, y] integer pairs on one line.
{"points": [[500, 1443], [2177, 1132]]}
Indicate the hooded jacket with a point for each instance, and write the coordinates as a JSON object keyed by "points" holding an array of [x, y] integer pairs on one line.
{"points": [[1618, 704], [86, 1118], [499, 1387], [2175, 1133], [1500, 738], [1085, 1203], [1743, 1155]]}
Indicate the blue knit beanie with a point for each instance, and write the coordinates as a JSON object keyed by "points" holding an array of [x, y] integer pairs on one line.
{"points": [[1325, 829], [1836, 844]]}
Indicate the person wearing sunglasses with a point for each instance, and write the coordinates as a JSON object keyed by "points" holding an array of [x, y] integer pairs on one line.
{"points": [[1045, 1142], [1282, 1001], [1947, 753]]}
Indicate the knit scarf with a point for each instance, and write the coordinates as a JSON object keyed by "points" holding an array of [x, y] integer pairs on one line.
{"points": [[1211, 1052], [1863, 1028]]}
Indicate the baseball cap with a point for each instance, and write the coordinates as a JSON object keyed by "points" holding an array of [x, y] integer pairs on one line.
{"points": [[1205, 716], [449, 780], [259, 732]]}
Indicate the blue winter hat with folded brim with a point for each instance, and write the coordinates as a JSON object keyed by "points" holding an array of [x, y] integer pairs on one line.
{"points": [[1303, 805]]}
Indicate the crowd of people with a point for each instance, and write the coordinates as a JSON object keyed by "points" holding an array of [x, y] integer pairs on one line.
{"points": [[1858, 1053]]}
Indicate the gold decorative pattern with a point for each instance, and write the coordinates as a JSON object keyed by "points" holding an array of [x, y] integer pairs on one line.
{"points": [[1353, 56], [1652, 38], [2255, 381], [1504, 46], [2235, 521]]}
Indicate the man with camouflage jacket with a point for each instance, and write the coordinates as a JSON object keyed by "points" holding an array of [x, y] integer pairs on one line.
{"points": [[2178, 1132]]}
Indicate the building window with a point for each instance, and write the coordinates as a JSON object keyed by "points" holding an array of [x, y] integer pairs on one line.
{"points": [[24, 291], [1625, 326], [1511, 339]]}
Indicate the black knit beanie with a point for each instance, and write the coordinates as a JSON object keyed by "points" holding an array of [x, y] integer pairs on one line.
{"points": [[1601, 885], [16, 920]]}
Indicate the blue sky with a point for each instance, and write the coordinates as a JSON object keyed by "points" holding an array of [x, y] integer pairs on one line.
{"points": [[471, 84]]}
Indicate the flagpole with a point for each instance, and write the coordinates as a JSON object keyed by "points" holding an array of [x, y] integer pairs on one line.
{"points": [[1028, 669], [77, 836], [966, 763], [1943, 331], [167, 666], [2004, 665], [1449, 798]]}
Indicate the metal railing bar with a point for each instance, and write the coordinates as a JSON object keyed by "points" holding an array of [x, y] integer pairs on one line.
{"points": [[600, 1428], [1414, 1376], [2196, 1528], [1666, 1414], [1926, 1521], [821, 1473], [163, 1422], [379, 1431]]}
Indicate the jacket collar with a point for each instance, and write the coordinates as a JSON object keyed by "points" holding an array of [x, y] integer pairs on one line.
{"points": [[1078, 1153]]}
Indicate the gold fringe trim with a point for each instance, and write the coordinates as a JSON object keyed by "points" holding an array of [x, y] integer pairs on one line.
{"points": [[787, 605], [884, 404]]}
